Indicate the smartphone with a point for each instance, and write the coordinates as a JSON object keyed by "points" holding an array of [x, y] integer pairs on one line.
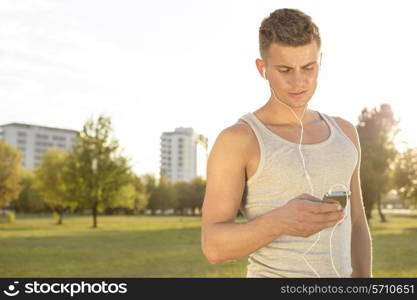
{"points": [[337, 196]]}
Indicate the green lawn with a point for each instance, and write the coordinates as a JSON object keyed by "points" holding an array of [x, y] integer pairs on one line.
{"points": [[395, 246], [161, 246]]}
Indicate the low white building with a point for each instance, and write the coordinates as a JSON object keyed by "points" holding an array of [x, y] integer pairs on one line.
{"points": [[33, 140]]}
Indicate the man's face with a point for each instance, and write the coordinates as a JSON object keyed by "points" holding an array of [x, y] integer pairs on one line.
{"points": [[291, 70]]}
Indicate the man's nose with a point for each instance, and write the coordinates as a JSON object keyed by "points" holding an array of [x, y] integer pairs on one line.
{"points": [[298, 78]]}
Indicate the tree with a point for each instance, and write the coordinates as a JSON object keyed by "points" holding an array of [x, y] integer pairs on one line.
{"points": [[141, 196], [123, 201], [164, 196], [150, 185], [117, 185], [9, 173], [29, 199], [376, 129], [405, 176], [198, 186], [190, 195], [184, 196], [150, 182], [50, 181], [97, 172]]}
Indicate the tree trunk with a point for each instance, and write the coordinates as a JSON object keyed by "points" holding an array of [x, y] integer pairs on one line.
{"points": [[381, 215], [95, 216], [368, 211], [60, 214]]}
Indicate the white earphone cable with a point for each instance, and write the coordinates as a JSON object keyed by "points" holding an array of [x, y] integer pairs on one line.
{"points": [[312, 191]]}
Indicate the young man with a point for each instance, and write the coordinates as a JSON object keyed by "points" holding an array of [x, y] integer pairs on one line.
{"points": [[257, 166]]}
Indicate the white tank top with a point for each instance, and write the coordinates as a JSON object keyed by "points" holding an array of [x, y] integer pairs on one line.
{"points": [[279, 178]]}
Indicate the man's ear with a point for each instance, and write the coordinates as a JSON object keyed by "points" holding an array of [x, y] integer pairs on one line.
{"points": [[321, 55], [260, 64]]}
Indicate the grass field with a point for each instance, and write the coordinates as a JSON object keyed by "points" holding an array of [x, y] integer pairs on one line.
{"points": [[158, 246]]}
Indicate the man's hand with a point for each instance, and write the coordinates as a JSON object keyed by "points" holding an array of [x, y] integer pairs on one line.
{"points": [[306, 215]]}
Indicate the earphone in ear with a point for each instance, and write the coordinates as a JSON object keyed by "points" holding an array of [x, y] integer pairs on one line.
{"points": [[263, 72]]}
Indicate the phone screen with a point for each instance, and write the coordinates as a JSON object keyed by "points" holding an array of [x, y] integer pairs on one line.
{"points": [[336, 198]]}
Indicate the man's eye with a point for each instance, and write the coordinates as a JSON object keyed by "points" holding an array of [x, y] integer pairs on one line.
{"points": [[284, 71], [309, 68]]}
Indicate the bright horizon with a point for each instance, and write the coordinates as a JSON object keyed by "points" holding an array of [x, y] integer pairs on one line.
{"points": [[163, 65]]}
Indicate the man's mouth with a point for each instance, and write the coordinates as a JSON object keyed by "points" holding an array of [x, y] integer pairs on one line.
{"points": [[297, 93]]}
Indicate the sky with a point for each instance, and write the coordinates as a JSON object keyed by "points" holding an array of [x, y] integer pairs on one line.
{"points": [[153, 66]]}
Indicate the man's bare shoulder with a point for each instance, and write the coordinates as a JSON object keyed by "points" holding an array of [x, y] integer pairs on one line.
{"points": [[240, 132], [349, 129], [342, 122], [235, 139]]}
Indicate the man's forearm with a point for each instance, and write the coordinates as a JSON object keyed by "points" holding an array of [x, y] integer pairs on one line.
{"points": [[361, 253], [237, 240]]}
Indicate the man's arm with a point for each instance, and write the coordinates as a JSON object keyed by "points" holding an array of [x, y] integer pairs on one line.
{"points": [[361, 243], [224, 239], [221, 238]]}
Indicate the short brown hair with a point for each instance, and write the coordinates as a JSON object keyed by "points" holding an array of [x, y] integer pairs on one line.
{"points": [[287, 26]]}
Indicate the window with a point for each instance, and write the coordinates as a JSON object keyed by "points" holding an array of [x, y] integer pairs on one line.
{"points": [[45, 144], [59, 138], [42, 136], [21, 134]]}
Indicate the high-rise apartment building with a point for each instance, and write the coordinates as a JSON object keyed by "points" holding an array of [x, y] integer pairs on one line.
{"points": [[183, 154]]}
